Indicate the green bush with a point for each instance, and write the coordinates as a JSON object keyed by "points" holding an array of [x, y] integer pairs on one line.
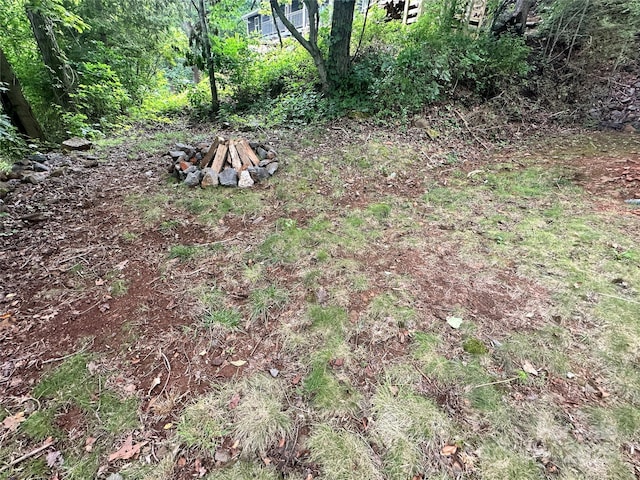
{"points": [[100, 95]]}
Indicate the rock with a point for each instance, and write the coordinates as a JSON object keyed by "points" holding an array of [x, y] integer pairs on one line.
{"points": [[185, 148], [177, 154], [245, 180], [209, 178], [221, 456], [4, 189], [90, 163], [262, 153], [35, 178], [58, 172], [629, 129], [193, 179], [420, 122], [40, 167], [77, 143], [191, 169], [265, 162], [274, 372], [258, 173], [115, 476], [271, 154], [228, 177], [37, 158], [184, 165], [272, 167]]}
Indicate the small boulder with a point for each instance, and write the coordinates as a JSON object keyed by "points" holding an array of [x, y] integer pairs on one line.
{"points": [[177, 154], [35, 178], [262, 153], [258, 173], [209, 178], [245, 180], [193, 179], [40, 167], [228, 177], [77, 143], [38, 158], [265, 162], [272, 167], [271, 154]]}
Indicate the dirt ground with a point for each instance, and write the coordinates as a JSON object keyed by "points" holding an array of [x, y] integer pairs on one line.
{"points": [[66, 243]]}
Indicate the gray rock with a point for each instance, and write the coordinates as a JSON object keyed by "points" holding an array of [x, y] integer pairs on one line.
{"points": [[262, 153], [221, 456], [38, 158], [176, 154], [274, 372], [209, 178], [191, 169], [4, 189], [90, 163], [35, 178], [265, 162], [271, 154], [76, 143], [272, 167], [258, 173], [184, 147], [245, 180], [58, 172], [228, 177], [40, 167], [193, 179]]}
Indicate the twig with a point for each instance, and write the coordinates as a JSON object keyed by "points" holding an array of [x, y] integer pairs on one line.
{"points": [[168, 365], [619, 298], [48, 442], [475, 137], [492, 383], [59, 359]]}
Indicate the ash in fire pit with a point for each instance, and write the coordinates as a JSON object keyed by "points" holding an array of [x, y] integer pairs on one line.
{"points": [[226, 162]]}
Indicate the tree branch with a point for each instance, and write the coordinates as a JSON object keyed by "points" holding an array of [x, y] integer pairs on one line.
{"points": [[291, 27]]}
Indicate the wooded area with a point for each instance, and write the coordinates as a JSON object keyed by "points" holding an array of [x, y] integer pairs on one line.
{"points": [[82, 67]]}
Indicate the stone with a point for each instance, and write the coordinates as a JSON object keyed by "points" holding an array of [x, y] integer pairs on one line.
{"points": [[35, 178], [221, 456], [228, 177], [193, 179], [262, 153], [184, 147], [40, 167], [77, 143], [90, 163], [272, 167], [629, 129], [183, 165], [258, 173], [38, 158], [209, 178], [4, 189], [245, 180], [177, 154], [58, 172], [274, 372], [265, 162], [271, 154], [191, 169], [420, 122]]}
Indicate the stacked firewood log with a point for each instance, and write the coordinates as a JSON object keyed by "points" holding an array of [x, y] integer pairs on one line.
{"points": [[226, 162]]}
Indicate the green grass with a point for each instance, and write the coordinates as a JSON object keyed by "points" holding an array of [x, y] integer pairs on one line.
{"points": [[184, 252], [264, 302]]}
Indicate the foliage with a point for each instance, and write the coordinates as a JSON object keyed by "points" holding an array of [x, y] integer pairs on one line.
{"points": [[11, 143]]}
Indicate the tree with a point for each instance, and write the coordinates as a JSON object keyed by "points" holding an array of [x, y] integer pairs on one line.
{"points": [[511, 15], [339, 61], [310, 45], [199, 37], [13, 102], [62, 75]]}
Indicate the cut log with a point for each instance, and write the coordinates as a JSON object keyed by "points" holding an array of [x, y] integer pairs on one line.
{"points": [[234, 156], [221, 155], [247, 153], [206, 160]]}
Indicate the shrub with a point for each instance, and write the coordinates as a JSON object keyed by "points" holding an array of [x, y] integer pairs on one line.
{"points": [[100, 96]]}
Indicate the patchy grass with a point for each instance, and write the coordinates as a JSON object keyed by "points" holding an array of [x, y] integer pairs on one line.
{"points": [[334, 284]]}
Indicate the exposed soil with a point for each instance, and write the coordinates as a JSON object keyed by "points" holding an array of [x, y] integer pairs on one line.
{"points": [[64, 246]]}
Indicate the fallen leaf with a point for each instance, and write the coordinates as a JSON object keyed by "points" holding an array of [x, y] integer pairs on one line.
{"points": [[88, 444], [128, 450], [448, 450], [11, 423], [168, 426], [454, 322], [233, 403], [238, 363], [182, 462], [527, 367], [281, 442], [121, 265]]}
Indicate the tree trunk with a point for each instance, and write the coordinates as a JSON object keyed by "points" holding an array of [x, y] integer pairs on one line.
{"points": [[511, 15], [340, 40], [206, 53], [310, 45], [62, 75], [14, 104]]}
